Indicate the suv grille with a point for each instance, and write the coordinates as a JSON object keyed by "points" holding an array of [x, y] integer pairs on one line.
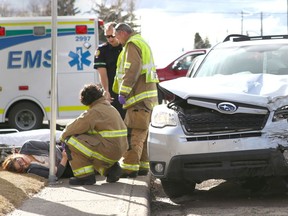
{"points": [[207, 121]]}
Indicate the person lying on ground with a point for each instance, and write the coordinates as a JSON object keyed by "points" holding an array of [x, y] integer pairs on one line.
{"points": [[96, 140], [33, 157]]}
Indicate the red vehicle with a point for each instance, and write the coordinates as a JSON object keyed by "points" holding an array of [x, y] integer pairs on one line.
{"points": [[177, 68], [180, 66]]}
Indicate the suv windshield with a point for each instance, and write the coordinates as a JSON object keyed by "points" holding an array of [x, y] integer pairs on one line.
{"points": [[246, 59]]}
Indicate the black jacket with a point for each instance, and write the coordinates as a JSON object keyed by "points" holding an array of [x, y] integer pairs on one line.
{"points": [[41, 148]]}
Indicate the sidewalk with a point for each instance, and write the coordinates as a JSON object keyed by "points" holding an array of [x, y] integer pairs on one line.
{"points": [[126, 197]]}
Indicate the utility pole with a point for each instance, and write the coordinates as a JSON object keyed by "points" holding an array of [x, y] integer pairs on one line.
{"points": [[54, 31], [261, 20], [242, 22]]}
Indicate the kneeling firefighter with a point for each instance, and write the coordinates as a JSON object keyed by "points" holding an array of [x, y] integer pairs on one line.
{"points": [[96, 140]]}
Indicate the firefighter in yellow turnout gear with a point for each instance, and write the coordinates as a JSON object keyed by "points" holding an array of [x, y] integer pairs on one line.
{"points": [[135, 83], [96, 140]]}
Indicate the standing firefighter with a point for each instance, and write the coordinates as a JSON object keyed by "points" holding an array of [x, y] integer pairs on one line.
{"points": [[135, 82], [96, 140]]}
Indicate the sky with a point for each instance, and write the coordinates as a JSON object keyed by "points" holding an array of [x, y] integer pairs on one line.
{"points": [[169, 26]]}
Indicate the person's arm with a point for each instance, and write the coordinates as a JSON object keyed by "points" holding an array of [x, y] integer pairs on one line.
{"points": [[132, 73], [79, 126], [104, 82], [39, 170], [100, 64], [44, 171], [62, 165]]}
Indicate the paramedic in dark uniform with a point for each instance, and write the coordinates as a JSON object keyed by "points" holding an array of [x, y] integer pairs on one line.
{"points": [[105, 62]]}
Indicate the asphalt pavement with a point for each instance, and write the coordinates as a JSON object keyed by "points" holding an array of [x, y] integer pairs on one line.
{"points": [[128, 197]]}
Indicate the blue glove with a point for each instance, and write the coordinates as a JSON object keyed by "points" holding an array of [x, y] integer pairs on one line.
{"points": [[121, 99]]}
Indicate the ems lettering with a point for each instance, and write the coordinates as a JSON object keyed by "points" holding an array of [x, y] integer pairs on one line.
{"points": [[29, 59]]}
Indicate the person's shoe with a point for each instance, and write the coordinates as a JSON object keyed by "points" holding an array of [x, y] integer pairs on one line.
{"points": [[87, 180], [129, 175], [114, 173], [143, 172]]}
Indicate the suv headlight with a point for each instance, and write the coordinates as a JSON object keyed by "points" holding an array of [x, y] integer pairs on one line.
{"points": [[162, 116], [281, 113]]}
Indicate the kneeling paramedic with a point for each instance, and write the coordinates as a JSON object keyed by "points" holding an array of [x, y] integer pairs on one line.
{"points": [[96, 140]]}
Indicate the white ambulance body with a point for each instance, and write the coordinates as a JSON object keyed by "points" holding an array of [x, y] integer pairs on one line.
{"points": [[25, 68]]}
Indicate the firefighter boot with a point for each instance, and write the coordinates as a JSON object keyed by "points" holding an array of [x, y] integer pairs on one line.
{"points": [[143, 172], [133, 174], [113, 173], [87, 180]]}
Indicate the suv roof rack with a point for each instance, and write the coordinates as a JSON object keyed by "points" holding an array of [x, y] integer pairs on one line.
{"points": [[233, 36], [239, 37]]}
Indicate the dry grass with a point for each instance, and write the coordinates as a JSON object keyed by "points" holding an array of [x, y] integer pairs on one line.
{"points": [[15, 188]]}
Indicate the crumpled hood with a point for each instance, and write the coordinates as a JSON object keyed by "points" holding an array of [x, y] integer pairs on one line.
{"points": [[257, 89]]}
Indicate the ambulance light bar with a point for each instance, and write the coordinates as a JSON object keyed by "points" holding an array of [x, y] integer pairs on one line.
{"points": [[81, 29], [2, 31]]}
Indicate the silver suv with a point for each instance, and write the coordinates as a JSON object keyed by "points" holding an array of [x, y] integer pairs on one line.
{"points": [[228, 120]]}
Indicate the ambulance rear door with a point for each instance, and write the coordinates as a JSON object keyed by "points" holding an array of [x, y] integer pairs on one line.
{"points": [[77, 41]]}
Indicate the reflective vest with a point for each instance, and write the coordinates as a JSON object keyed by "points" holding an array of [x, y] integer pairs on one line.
{"points": [[119, 75], [148, 68]]}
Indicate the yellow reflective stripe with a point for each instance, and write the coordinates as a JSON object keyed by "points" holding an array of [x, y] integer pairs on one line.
{"points": [[107, 133], [80, 147], [118, 133], [92, 132], [141, 96], [2, 111], [125, 89], [101, 171], [131, 167], [68, 108], [48, 23], [120, 64], [83, 170], [76, 22], [151, 74], [103, 158], [127, 65], [144, 165], [25, 23], [148, 66], [72, 108], [88, 152]]}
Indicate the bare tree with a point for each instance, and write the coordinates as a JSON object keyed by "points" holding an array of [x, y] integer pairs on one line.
{"points": [[199, 43], [65, 8], [5, 9], [115, 11], [37, 7], [131, 7]]}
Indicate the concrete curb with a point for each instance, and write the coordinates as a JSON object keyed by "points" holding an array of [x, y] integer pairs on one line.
{"points": [[126, 197]]}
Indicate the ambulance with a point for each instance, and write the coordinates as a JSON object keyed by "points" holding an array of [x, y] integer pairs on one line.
{"points": [[25, 68]]}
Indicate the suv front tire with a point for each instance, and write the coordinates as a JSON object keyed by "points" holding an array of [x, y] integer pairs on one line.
{"points": [[174, 189]]}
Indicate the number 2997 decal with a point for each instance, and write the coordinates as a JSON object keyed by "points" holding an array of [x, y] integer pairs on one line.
{"points": [[82, 38]]}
